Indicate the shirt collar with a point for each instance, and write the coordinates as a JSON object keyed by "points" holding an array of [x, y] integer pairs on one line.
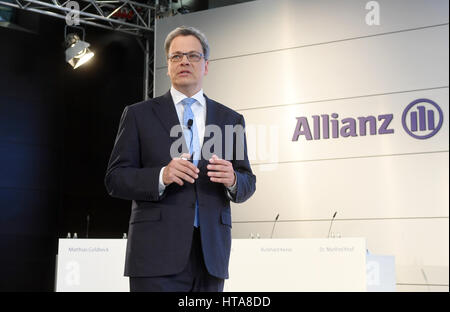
{"points": [[177, 96]]}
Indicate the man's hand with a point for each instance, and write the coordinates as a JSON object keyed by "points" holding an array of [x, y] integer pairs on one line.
{"points": [[180, 169], [221, 171]]}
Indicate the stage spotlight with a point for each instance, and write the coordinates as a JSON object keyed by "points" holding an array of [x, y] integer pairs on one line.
{"points": [[77, 50]]}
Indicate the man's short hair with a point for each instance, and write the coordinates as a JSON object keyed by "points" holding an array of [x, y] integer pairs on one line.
{"points": [[187, 31]]}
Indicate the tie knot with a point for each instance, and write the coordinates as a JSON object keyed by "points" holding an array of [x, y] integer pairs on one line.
{"points": [[188, 101]]}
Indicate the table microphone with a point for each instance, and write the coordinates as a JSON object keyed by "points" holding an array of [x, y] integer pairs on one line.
{"points": [[331, 224], [274, 223]]}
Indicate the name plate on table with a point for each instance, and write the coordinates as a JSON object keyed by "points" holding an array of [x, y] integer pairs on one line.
{"points": [[336, 264], [91, 265]]}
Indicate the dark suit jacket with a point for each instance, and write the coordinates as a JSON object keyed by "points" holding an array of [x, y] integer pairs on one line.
{"points": [[161, 227]]}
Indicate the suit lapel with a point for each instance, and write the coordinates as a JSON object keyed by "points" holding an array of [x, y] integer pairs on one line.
{"points": [[166, 112], [211, 113], [212, 118]]}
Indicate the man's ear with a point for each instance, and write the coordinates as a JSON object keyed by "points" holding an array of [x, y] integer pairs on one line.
{"points": [[206, 67]]}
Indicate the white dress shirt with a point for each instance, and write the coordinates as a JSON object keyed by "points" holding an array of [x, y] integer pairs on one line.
{"points": [[199, 110]]}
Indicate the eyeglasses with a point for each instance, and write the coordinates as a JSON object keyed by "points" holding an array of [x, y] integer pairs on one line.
{"points": [[191, 56]]}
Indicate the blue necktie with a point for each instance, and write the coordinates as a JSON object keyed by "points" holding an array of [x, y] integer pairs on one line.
{"points": [[192, 141]]}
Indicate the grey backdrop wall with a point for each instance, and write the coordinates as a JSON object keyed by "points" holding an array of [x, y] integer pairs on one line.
{"points": [[288, 65]]}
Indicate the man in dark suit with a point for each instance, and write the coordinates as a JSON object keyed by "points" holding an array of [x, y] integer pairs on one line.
{"points": [[180, 225]]}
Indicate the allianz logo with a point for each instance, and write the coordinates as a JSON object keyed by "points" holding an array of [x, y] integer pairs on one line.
{"points": [[421, 119]]}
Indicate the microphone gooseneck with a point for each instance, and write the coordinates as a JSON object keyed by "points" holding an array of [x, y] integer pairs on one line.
{"points": [[274, 223], [331, 224], [87, 226]]}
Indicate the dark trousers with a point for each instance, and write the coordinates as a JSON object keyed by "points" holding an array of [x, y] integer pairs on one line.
{"points": [[194, 277]]}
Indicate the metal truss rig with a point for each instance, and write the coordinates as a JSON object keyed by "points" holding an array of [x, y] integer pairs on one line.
{"points": [[119, 15]]}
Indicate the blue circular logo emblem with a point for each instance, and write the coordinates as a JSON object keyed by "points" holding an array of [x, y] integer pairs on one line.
{"points": [[422, 119]]}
